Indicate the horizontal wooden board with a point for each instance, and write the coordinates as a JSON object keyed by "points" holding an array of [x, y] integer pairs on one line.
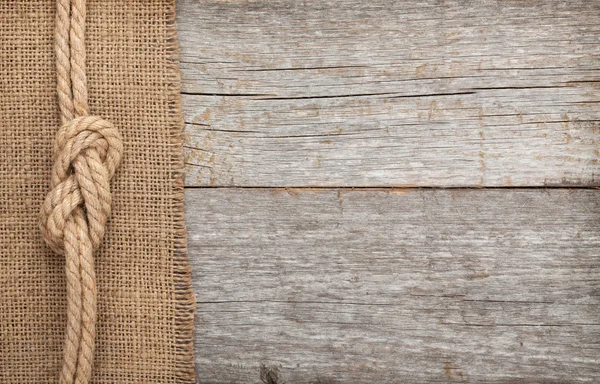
{"points": [[391, 285], [391, 93]]}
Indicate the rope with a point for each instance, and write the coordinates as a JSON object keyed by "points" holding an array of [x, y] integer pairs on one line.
{"points": [[73, 217]]}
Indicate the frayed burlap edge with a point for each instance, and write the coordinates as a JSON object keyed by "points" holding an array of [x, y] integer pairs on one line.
{"points": [[185, 300]]}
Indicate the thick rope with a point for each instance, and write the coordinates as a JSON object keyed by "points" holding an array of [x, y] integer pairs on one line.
{"points": [[73, 217]]}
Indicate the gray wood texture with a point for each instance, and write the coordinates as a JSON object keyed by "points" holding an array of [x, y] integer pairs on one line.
{"points": [[391, 93], [396, 286], [320, 284]]}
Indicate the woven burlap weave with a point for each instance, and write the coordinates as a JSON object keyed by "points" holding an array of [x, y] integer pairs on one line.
{"points": [[145, 302]]}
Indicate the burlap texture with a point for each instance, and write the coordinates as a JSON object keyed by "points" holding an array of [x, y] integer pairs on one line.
{"points": [[145, 302]]}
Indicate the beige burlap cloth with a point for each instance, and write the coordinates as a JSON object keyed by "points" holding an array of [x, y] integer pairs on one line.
{"points": [[145, 302]]}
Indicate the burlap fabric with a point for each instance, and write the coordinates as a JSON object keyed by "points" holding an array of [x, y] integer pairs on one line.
{"points": [[145, 302]]}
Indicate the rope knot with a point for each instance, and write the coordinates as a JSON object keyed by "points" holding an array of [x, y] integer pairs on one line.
{"points": [[86, 153]]}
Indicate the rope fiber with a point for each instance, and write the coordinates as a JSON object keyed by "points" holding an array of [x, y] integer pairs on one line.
{"points": [[73, 217]]}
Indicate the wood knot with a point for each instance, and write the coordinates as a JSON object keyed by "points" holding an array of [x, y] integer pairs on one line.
{"points": [[270, 375]]}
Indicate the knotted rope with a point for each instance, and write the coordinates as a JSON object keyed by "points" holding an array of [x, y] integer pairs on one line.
{"points": [[73, 217]]}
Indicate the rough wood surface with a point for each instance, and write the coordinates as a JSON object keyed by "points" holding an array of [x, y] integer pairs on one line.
{"points": [[394, 93], [389, 286], [342, 285]]}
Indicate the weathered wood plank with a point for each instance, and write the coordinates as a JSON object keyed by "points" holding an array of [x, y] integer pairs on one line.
{"points": [[394, 93], [389, 286]]}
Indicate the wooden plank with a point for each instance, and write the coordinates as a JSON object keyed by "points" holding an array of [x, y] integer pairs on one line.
{"points": [[391, 93], [389, 286]]}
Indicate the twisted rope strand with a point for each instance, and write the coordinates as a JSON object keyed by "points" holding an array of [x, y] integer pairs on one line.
{"points": [[63, 64], [77, 34], [74, 214]]}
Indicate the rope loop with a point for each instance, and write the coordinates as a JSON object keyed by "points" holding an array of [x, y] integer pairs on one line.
{"points": [[87, 153]]}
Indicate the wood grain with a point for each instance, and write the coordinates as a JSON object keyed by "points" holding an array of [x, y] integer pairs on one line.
{"points": [[391, 93], [344, 285], [391, 285]]}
